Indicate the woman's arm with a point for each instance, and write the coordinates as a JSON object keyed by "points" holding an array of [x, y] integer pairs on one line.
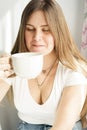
{"points": [[69, 108], [4, 87], [5, 72]]}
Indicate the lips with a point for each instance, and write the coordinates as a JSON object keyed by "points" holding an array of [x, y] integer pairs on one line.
{"points": [[38, 48], [36, 45]]}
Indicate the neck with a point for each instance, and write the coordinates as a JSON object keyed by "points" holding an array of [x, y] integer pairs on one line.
{"points": [[48, 60]]}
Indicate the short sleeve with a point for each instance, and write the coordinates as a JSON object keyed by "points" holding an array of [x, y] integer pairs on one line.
{"points": [[75, 78]]}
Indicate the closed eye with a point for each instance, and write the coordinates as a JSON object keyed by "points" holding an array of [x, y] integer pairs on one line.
{"points": [[29, 29], [46, 30]]}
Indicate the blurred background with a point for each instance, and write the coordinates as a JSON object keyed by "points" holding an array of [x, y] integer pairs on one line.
{"points": [[10, 14]]}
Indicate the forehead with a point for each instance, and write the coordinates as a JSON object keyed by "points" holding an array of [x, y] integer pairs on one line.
{"points": [[37, 18]]}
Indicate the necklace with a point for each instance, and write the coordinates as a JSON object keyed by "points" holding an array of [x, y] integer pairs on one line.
{"points": [[40, 84], [45, 70]]}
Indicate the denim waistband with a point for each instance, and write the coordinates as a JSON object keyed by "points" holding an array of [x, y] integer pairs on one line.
{"points": [[27, 126]]}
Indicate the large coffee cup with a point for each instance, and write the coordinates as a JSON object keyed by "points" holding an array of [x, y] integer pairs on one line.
{"points": [[27, 64]]}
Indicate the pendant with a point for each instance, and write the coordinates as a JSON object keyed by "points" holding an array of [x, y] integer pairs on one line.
{"points": [[44, 71]]}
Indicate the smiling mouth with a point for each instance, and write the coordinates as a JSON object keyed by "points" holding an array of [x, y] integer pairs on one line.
{"points": [[38, 45]]}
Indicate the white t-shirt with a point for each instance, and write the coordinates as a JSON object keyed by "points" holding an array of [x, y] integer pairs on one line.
{"points": [[29, 110]]}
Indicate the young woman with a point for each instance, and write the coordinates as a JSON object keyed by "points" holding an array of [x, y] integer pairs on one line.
{"points": [[56, 98]]}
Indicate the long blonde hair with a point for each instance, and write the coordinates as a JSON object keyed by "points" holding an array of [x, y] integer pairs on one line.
{"points": [[65, 47]]}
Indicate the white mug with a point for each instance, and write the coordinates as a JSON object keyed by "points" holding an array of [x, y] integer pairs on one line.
{"points": [[27, 64]]}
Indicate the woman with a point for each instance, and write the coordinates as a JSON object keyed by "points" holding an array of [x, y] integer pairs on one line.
{"points": [[56, 98]]}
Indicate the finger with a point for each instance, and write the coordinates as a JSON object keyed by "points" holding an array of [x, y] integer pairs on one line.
{"points": [[8, 73], [4, 60], [5, 67], [2, 74], [4, 54]]}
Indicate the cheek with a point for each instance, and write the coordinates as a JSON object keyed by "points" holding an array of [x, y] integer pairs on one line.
{"points": [[27, 39], [50, 46], [51, 42]]}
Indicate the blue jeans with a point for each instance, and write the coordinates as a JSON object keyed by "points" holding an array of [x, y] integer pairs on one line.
{"points": [[26, 126]]}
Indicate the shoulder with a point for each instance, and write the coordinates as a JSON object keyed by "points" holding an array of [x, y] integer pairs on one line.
{"points": [[70, 76]]}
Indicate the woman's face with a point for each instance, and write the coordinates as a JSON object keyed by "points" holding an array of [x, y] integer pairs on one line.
{"points": [[38, 37]]}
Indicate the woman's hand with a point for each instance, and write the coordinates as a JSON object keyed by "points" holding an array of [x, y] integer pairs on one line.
{"points": [[5, 66]]}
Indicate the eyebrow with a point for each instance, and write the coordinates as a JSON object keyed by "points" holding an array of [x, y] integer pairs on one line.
{"points": [[40, 26]]}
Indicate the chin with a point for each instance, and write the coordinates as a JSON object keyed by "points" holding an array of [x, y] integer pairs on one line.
{"points": [[37, 50]]}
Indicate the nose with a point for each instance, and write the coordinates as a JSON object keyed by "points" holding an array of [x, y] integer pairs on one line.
{"points": [[38, 35]]}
